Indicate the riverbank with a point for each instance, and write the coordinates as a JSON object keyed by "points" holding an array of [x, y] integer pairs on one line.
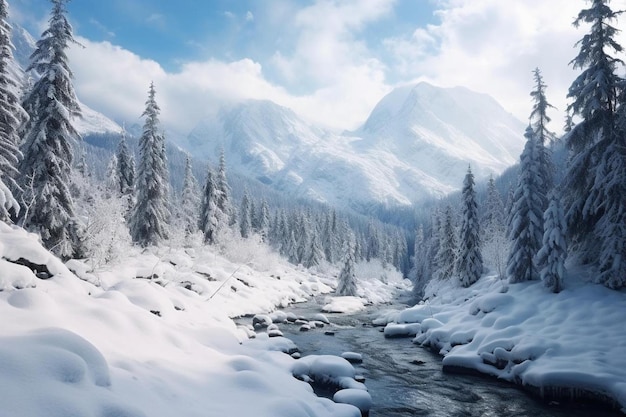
{"points": [[562, 347]]}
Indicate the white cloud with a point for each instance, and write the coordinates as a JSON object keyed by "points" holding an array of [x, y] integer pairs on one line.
{"points": [[492, 46], [327, 73], [115, 82], [249, 16]]}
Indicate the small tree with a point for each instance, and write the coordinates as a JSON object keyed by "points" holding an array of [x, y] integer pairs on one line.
{"points": [[551, 257], [346, 286], [245, 222], [125, 167], [495, 245], [224, 203], [421, 266], [190, 201], [446, 255], [209, 222], [264, 221], [470, 261]]}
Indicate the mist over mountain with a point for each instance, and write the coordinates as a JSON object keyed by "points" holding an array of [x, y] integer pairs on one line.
{"points": [[417, 143]]}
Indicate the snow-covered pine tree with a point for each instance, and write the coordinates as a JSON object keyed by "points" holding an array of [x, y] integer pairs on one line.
{"points": [[495, 244], [421, 266], [190, 200], [45, 169], [552, 255], [125, 167], [245, 221], [315, 255], [595, 94], [470, 261], [611, 228], [346, 285], [446, 254], [526, 220], [224, 203], [209, 221], [291, 248], [150, 216], [373, 249], [11, 116], [331, 237], [539, 121], [264, 220], [112, 181]]}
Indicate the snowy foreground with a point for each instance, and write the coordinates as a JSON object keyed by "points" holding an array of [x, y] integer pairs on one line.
{"points": [[566, 345], [153, 336]]}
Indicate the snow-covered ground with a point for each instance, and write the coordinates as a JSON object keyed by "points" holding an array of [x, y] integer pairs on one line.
{"points": [[567, 344], [153, 335]]}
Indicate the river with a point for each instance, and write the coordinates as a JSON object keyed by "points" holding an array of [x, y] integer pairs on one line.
{"points": [[406, 380]]}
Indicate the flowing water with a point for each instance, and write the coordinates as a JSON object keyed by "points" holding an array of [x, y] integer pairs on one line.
{"points": [[406, 380]]}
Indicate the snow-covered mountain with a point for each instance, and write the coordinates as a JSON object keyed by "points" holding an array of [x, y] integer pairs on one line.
{"points": [[417, 143]]}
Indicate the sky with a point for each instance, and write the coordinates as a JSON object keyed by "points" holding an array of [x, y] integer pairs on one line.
{"points": [[330, 61]]}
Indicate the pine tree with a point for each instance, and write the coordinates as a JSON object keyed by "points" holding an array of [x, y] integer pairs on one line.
{"points": [[315, 254], [190, 201], [446, 254], [112, 181], [551, 257], [209, 221], [421, 265], [470, 261], [331, 237], [595, 94], [539, 121], [264, 220], [495, 243], [526, 224], [346, 286], [373, 249], [125, 167], [224, 203], [245, 222], [11, 116], [150, 217], [45, 169]]}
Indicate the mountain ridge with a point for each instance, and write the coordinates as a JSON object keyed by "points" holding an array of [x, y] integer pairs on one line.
{"points": [[417, 143]]}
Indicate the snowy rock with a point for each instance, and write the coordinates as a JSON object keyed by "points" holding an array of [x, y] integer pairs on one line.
{"points": [[260, 321], [346, 305], [358, 398], [321, 317], [352, 357], [305, 328], [394, 330]]}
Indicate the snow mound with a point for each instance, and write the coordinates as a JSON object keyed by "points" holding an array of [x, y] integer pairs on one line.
{"points": [[327, 369], [358, 398], [346, 305], [61, 364]]}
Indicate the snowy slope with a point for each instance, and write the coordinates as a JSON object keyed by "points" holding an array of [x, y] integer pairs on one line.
{"points": [[151, 335], [417, 143]]}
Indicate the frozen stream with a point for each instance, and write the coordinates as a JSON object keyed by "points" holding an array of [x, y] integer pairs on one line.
{"points": [[406, 380]]}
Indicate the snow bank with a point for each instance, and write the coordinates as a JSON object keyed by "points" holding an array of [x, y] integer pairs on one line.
{"points": [[151, 336], [573, 341]]}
